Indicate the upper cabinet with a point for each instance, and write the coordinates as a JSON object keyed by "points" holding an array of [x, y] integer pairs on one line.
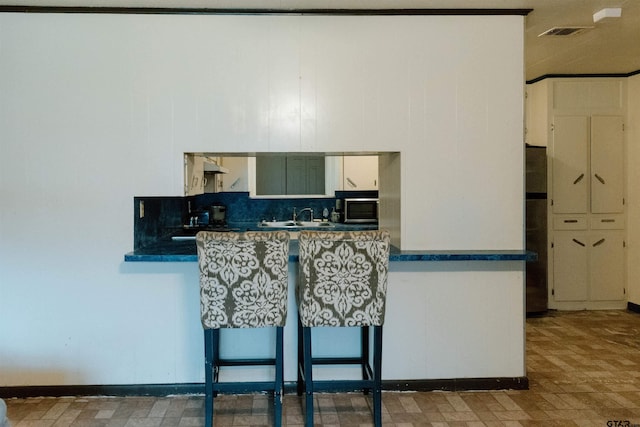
{"points": [[607, 164], [193, 174], [237, 179], [204, 174], [281, 175], [290, 175], [570, 164], [588, 164], [360, 173]]}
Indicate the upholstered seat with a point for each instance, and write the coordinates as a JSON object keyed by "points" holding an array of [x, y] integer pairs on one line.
{"points": [[243, 284], [342, 283]]}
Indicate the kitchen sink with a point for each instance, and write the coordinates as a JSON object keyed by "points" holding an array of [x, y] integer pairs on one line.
{"points": [[295, 224]]}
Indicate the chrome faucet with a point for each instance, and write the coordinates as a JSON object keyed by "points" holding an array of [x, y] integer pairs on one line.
{"points": [[302, 210]]}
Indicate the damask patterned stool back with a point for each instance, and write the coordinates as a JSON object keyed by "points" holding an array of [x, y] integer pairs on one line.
{"points": [[243, 284], [342, 283], [343, 278]]}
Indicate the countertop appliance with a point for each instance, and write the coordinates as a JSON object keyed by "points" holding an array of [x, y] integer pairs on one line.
{"points": [[212, 219], [536, 228], [360, 210], [218, 215]]}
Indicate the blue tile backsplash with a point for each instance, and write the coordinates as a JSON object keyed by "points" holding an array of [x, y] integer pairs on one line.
{"points": [[163, 216]]}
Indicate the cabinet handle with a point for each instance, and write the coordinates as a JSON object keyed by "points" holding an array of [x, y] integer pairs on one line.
{"points": [[607, 220], [599, 178], [351, 183], [578, 242], [598, 243], [578, 179], [569, 221]]}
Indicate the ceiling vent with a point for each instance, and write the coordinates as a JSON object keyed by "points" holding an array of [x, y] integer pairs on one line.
{"points": [[564, 31]]}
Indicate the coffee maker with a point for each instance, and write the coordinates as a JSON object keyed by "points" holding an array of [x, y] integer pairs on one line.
{"points": [[218, 216]]}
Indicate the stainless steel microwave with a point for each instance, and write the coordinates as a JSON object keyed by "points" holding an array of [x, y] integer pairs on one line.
{"points": [[360, 210]]}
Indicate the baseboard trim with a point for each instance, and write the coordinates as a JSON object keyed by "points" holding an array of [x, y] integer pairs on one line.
{"points": [[159, 390], [458, 384], [633, 307]]}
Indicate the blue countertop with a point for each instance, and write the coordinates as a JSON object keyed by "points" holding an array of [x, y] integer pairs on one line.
{"points": [[185, 251]]}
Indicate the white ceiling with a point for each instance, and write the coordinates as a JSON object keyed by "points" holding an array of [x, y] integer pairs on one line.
{"points": [[611, 47]]}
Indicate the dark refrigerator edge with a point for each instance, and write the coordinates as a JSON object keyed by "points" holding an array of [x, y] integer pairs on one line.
{"points": [[536, 229]]}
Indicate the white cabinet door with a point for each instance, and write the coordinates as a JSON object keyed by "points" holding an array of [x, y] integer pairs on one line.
{"points": [[607, 266], [569, 169], [193, 175], [607, 164], [570, 266], [360, 173], [237, 179]]}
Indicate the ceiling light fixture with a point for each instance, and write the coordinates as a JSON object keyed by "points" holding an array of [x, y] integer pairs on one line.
{"points": [[607, 12]]}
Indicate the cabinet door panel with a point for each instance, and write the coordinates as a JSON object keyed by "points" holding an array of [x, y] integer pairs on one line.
{"points": [[194, 175], [360, 172], [570, 136], [296, 175], [238, 177], [570, 272], [607, 266], [305, 175], [271, 173], [315, 175], [607, 160]]}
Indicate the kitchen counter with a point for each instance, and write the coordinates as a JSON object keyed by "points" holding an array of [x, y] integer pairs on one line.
{"points": [[168, 250]]}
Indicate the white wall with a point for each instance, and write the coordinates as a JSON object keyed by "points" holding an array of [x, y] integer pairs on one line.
{"points": [[633, 189], [96, 109], [456, 328]]}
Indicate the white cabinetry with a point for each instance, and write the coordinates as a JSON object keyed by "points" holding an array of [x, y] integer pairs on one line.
{"points": [[607, 161], [588, 266], [588, 160], [193, 174], [587, 207], [607, 266], [569, 164], [237, 179], [570, 266], [360, 173]]}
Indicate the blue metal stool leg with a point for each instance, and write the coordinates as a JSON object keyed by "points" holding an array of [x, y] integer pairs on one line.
{"points": [[279, 380], [364, 355], [377, 376], [308, 376], [300, 364], [208, 377]]}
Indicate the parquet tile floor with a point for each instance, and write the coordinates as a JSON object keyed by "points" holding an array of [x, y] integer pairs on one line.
{"points": [[583, 369]]}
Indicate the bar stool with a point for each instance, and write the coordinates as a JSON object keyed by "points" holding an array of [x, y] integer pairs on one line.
{"points": [[243, 284], [342, 283]]}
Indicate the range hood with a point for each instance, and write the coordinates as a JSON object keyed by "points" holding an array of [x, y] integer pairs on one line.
{"points": [[212, 167]]}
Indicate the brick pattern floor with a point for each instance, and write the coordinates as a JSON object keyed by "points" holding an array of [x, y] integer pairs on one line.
{"points": [[583, 369]]}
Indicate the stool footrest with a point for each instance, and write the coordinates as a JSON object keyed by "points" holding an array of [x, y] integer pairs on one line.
{"points": [[338, 361], [245, 362], [245, 387]]}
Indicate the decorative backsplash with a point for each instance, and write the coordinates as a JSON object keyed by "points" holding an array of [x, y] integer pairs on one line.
{"points": [[163, 216], [160, 215]]}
